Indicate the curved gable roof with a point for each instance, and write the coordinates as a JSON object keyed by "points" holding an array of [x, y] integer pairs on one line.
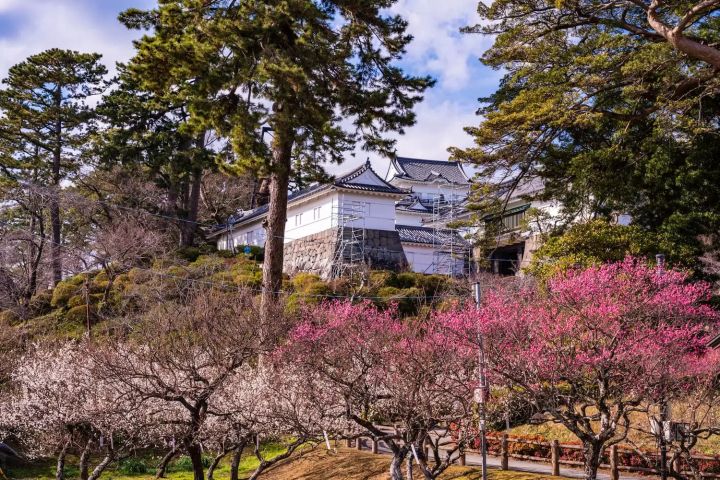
{"points": [[419, 170]]}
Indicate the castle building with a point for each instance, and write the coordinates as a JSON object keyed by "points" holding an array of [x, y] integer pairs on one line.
{"points": [[411, 219]]}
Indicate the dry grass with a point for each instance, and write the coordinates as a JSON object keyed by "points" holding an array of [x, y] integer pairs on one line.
{"points": [[352, 465]]}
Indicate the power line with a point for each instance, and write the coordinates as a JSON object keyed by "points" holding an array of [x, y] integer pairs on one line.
{"points": [[251, 289]]}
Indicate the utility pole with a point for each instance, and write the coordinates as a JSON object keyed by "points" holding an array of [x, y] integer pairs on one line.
{"points": [[482, 390], [664, 407]]}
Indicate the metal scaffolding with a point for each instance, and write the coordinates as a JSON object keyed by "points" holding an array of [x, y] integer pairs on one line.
{"points": [[349, 218], [451, 253]]}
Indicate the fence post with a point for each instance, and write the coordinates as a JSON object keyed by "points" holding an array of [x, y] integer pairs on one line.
{"points": [[374, 446], [462, 459], [358, 443], [504, 453], [555, 457], [614, 464]]}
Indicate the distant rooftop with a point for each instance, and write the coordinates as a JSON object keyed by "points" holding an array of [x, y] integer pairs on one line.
{"points": [[419, 170], [429, 236]]}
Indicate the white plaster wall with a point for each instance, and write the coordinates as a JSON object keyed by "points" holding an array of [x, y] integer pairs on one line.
{"points": [[420, 258], [320, 214], [412, 219], [309, 217], [377, 212], [250, 234], [430, 190]]}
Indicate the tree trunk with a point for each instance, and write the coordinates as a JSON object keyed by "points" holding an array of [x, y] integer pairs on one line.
{"points": [[235, 465], [410, 468], [592, 455], [162, 467], [55, 196], [216, 461], [60, 468], [275, 228], [84, 463], [396, 467], [102, 466], [189, 226], [195, 454]]}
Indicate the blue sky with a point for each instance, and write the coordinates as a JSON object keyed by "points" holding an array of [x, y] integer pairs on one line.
{"points": [[30, 26]]}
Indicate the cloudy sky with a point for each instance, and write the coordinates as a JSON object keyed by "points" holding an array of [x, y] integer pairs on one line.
{"points": [[30, 26]]}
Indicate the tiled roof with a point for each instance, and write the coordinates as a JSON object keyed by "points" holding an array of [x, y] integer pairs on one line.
{"points": [[428, 170], [345, 181], [413, 205], [429, 236]]}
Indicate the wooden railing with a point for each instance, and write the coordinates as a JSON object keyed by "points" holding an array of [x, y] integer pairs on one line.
{"points": [[555, 456]]}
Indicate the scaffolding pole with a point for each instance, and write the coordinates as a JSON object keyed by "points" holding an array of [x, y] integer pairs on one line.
{"points": [[350, 257]]}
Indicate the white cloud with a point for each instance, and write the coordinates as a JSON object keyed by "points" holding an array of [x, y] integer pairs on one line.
{"points": [[68, 24], [438, 46]]}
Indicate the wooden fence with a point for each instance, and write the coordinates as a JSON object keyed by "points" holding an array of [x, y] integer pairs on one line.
{"points": [[500, 446], [614, 456]]}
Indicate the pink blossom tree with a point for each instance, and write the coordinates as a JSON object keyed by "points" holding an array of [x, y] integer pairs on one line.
{"points": [[593, 345], [385, 370]]}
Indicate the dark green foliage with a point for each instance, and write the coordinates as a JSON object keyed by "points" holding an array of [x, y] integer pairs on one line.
{"points": [[599, 241], [184, 464], [611, 116], [192, 253], [133, 466], [45, 124]]}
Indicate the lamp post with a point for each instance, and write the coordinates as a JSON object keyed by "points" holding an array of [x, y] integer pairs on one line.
{"points": [[481, 391], [664, 406]]}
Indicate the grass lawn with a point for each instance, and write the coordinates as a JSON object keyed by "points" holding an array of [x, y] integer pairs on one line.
{"points": [[316, 464]]}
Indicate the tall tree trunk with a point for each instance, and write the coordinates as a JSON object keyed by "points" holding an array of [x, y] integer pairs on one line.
{"points": [[275, 224], [84, 464], [55, 195], [592, 454], [195, 454], [60, 467], [162, 467], [189, 226], [235, 465]]}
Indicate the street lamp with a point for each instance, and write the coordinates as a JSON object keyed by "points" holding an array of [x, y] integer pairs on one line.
{"points": [[481, 391], [664, 406]]}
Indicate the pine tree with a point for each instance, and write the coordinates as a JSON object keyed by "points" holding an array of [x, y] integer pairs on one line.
{"points": [[321, 74], [148, 130], [45, 120]]}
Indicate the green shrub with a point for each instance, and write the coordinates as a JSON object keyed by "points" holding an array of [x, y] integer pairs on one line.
{"points": [[184, 464], [76, 301], [380, 278], [432, 285], [78, 314], [192, 253], [249, 279], [77, 280], [63, 292], [132, 466], [41, 303], [402, 280], [302, 281]]}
